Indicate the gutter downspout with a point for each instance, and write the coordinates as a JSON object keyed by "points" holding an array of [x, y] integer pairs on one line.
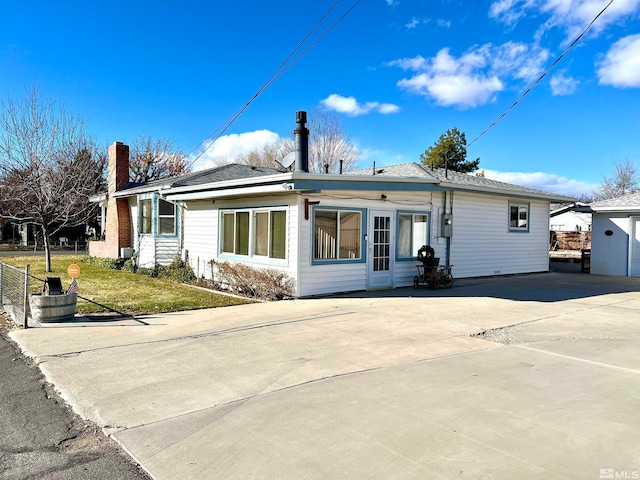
{"points": [[448, 238]]}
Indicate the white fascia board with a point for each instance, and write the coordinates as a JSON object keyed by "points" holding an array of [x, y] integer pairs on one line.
{"points": [[364, 178], [241, 182], [276, 184], [129, 192], [228, 192], [616, 209], [512, 193]]}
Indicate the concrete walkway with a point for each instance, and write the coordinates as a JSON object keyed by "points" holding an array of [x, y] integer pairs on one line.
{"points": [[532, 376]]}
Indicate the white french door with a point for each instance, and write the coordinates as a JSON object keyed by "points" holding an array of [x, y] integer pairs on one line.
{"points": [[381, 245]]}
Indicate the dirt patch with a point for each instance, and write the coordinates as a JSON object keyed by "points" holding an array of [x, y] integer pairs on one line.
{"points": [[502, 335]]}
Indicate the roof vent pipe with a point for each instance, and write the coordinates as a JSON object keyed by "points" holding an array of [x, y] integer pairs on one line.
{"points": [[301, 134]]}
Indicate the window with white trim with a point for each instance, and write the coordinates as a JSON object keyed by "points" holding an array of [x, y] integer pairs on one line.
{"points": [[337, 234], [146, 216], [413, 231], [166, 218], [253, 232], [519, 217]]}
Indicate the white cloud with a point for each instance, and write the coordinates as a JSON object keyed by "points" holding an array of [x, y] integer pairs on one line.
{"points": [[228, 147], [351, 107], [414, 64], [518, 60], [475, 77], [548, 182], [563, 85], [570, 15], [413, 23], [621, 65]]}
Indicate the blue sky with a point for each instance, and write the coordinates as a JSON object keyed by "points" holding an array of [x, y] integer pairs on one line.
{"points": [[398, 72]]}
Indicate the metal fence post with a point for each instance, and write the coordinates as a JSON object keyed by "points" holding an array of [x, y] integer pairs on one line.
{"points": [[26, 295]]}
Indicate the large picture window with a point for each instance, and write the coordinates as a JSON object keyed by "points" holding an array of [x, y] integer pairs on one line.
{"points": [[413, 233], [519, 217], [265, 231], [337, 234]]}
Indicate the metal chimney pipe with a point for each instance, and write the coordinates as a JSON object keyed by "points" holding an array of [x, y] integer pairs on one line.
{"points": [[301, 134]]}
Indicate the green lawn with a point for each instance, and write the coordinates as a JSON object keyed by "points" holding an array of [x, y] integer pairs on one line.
{"points": [[120, 290]]}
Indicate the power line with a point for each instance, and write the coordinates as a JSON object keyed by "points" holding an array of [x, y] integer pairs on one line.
{"points": [[286, 64], [534, 84]]}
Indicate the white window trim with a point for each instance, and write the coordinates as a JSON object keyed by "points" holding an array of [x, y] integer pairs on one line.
{"points": [[413, 213], [252, 230], [520, 205], [174, 217]]}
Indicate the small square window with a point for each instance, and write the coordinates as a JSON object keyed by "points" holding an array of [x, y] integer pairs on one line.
{"points": [[519, 217]]}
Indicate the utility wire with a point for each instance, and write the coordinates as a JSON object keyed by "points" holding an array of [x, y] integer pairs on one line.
{"points": [[546, 72], [282, 68]]}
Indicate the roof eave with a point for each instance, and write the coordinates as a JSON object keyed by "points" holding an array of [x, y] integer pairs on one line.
{"points": [[513, 193]]}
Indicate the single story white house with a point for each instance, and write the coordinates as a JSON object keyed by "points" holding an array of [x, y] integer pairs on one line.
{"points": [[566, 218], [615, 237], [328, 232]]}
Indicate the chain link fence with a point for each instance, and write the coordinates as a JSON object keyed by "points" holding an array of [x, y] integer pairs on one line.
{"points": [[14, 292]]}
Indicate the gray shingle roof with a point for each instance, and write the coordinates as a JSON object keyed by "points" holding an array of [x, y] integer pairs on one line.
{"points": [[222, 173], [631, 200], [232, 171], [454, 178]]}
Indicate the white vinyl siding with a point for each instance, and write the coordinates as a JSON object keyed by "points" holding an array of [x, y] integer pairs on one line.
{"points": [[482, 244], [202, 228], [610, 254], [319, 279], [157, 240]]}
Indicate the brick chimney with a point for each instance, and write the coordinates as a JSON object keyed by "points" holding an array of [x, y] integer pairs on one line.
{"points": [[118, 166], [118, 224]]}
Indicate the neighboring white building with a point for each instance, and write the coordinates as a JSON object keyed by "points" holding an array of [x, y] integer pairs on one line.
{"points": [[331, 233], [567, 219], [615, 238]]}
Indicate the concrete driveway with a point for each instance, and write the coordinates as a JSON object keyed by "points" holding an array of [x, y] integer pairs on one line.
{"points": [[533, 376]]}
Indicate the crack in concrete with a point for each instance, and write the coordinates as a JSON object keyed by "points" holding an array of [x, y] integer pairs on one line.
{"points": [[503, 334], [197, 335]]}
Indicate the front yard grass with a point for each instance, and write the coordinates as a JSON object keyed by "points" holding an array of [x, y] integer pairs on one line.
{"points": [[120, 290]]}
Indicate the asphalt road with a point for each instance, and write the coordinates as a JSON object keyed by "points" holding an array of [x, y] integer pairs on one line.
{"points": [[41, 436]]}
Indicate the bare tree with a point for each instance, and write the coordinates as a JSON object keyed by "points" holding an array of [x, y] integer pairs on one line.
{"points": [[266, 156], [329, 143], [624, 180], [155, 159], [48, 166]]}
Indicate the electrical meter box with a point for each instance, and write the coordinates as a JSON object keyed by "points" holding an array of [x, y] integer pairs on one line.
{"points": [[447, 225]]}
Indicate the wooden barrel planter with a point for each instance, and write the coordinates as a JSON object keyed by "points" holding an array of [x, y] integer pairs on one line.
{"points": [[53, 308]]}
